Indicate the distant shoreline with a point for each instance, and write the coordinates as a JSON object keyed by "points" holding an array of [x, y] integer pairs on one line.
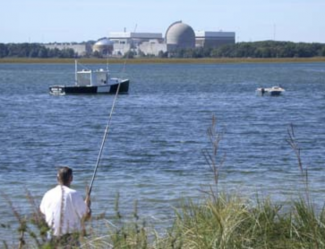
{"points": [[160, 60]]}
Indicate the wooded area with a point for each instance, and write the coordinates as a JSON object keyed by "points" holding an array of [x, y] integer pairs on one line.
{"points": [[33, 50], [262, 49]]}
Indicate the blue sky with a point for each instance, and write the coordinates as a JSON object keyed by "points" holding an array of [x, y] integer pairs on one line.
{"points": [[81, 20]]}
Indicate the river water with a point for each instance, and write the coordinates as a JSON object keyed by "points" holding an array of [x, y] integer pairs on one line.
{"points": [[153, 153]]}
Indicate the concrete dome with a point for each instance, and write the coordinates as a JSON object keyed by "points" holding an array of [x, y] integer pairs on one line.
{"points": [[180, 35]]}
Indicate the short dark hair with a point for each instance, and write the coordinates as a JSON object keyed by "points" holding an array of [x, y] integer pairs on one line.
{"points": [[64, 175]]}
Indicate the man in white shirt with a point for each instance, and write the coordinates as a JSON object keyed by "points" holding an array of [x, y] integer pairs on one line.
{"points": [[64, 208]]}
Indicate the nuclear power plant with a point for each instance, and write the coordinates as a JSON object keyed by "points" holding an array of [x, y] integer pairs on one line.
{"points": [[178, 35]]}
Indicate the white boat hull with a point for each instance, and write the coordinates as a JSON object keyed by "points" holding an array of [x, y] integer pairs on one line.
{"points": [[272, 91]]}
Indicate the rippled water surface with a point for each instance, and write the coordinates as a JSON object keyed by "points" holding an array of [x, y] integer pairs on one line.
{"points": [[153, 152]]}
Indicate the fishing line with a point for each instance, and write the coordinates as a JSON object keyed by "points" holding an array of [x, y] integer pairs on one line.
{"points": [[104, 139]]}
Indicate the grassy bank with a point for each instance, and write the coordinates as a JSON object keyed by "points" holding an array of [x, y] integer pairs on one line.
{"points": [[163, 60], [225, 222]]}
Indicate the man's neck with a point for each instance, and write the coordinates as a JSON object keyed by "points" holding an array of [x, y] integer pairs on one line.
{"points": [[66, 185]]}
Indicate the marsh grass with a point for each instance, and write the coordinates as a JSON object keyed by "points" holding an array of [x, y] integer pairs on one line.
{"points": [[218, 220], [30, 228]]}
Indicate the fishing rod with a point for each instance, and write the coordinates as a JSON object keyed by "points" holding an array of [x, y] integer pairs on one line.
{"points": [[104, 139]]}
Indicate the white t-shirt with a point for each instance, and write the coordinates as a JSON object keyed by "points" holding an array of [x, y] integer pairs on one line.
{"points": [[74, 208]]}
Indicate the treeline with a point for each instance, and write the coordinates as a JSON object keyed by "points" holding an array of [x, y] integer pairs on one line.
{"points": [[263, 49], [33, 50]]}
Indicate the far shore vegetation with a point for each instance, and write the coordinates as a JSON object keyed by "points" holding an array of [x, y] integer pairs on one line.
{"points": [[158, 60], [242, 52], [219, 220]]}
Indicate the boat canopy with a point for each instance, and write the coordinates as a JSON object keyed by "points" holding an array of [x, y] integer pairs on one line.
{"points": [[92, 78]]}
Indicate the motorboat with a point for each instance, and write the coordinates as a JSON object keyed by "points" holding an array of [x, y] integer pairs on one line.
{"points": [[92, 82], [271, 91]]}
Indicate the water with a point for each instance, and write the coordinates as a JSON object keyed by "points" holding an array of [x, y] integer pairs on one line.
{"points": [[154, 148]]}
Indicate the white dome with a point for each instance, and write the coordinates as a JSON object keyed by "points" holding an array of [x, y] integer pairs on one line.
{"points": [[180, 35]]}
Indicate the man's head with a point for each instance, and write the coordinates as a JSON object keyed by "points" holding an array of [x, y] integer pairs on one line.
{"points": [[64, 176]]}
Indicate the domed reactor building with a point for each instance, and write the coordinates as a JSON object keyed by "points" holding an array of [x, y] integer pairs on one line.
{"points": [[179, 36], [103, 46]]}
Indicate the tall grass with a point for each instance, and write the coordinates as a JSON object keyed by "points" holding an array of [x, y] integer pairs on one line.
{"points": [[218, 220]]}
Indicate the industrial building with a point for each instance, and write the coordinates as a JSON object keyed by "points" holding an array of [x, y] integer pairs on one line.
{"points": [[211, 39], [81, 49], [126, 41], [178, 35]]}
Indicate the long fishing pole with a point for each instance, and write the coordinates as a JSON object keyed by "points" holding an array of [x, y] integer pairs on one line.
{"points": [[104, 139]]}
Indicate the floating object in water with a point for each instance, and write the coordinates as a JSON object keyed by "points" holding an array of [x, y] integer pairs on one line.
{"points": [[92, 82], [272, 91]]}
